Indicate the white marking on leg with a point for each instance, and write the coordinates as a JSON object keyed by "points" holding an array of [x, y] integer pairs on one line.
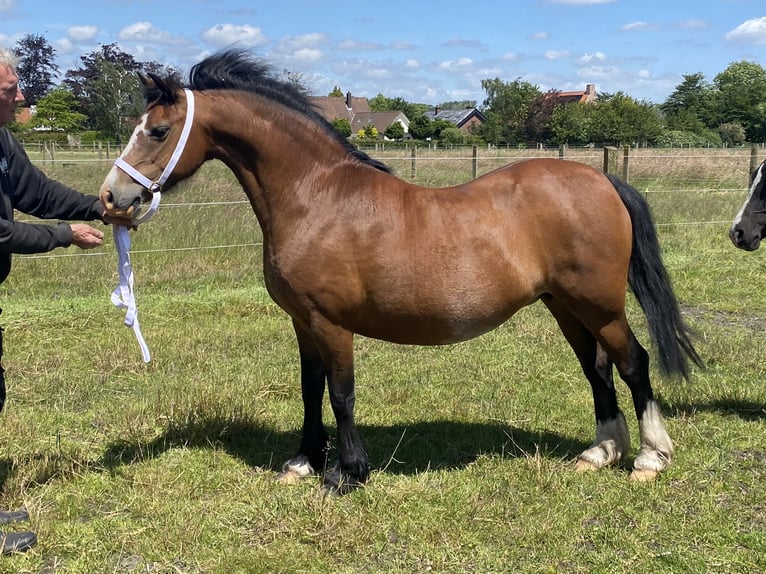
{"points": [[611, 443], [295, 469], [656, 447]]}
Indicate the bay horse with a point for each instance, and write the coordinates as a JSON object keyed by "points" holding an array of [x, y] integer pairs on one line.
{"points": [[749, 225], [349, 248]]}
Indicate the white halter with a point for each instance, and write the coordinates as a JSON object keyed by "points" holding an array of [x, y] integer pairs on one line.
{"points": [[122, 296]]}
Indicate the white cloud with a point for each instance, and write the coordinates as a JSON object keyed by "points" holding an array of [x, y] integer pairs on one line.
{"points": [[455, 65], [144, 32], [539, 36], [81, 33], [510, 56], [222, 35], [637, 26], [412, 64], [7, 5], [600, 72], [556, 54], [749, 32], [306, 55], [401, 45], [357, 46], [589, 58]]}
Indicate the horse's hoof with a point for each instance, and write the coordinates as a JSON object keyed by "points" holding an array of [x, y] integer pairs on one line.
{"points": [[336, 483], [583, 465], [639, 475], [289, 477]]}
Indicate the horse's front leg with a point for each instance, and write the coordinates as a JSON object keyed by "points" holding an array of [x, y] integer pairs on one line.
{"points": [[352, 470], [312, 454]]}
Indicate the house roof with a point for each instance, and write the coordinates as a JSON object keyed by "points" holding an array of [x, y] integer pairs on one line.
{"points": [[339, 107], [457, 117], [381, 121], [585, 96]]}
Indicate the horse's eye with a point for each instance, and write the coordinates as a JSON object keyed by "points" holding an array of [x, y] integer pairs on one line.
{"points": [[159, 132]]}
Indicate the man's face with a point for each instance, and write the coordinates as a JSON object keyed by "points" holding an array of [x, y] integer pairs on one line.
{"points": [[10, 94]]}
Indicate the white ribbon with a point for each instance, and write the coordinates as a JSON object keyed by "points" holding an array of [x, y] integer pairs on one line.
{"points": [[122, 296]]}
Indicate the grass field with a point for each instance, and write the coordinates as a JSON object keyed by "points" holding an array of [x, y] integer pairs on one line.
{"points": [[169, 467]]}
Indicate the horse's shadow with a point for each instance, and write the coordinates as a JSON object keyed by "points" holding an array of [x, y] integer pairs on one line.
{"points": [[744, 409], [401, 448]]}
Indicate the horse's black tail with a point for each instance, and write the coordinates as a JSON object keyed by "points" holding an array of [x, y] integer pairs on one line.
{"points": [[649, 281]]}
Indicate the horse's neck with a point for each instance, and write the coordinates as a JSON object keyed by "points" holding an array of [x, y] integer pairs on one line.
{"points": [[278, 159]]}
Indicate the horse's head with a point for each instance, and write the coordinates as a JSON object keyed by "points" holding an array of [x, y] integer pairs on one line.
{"points": [[160, 152], [749, 225]]}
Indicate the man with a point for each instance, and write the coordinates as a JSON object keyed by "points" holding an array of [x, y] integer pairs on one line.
{"points": [[25, 188]]}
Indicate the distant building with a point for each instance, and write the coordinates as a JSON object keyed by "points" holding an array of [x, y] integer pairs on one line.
{"points": [[584, 97], [357, 111], [464, 119]]}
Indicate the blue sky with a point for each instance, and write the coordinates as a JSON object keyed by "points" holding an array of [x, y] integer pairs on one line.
{"points": [[422, 51]]}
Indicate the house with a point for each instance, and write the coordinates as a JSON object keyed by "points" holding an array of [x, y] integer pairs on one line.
{"points": [[380, 120], [585, 97], [464, 119], [339, 107], [357, 111], [24, 115]]}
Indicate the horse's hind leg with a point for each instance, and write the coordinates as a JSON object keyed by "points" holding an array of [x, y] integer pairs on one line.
{"points": [[311, 456], [632, 362], [612, 438]]}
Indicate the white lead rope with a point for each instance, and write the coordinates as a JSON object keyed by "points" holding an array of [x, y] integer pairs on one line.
{"points": [[122, 296]]}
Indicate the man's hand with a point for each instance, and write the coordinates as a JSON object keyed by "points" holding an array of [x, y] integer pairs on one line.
{"points": [[86, 237]]}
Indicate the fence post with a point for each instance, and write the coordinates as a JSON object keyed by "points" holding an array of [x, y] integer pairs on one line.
{"points": [[475, 162], [562, 150], [625, 163], [414, 155]]}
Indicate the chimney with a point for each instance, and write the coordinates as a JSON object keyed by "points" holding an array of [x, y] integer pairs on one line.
{"points": [[348, 100]]}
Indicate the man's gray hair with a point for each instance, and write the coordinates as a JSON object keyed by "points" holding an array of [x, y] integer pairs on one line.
{"points": [[8, 58]]}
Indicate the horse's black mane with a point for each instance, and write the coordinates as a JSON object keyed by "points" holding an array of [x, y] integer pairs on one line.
{"points": [[238, 69]]}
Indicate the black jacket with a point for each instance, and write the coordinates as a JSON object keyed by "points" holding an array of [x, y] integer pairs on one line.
{"points": [[29, 190]]}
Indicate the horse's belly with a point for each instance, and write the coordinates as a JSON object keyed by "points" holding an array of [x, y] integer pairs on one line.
{"points": [[431, 329]]}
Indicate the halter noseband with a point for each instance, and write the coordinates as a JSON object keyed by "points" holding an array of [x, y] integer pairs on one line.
{"points": [[156, 186]]}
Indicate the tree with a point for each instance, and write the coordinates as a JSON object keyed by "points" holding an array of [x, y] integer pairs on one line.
{"points": [[395, 131], [453, 136], [732, 134], [506, 108], [108, 89], [740, 92], [539, 114], [336, 92], [619, 119], [342, 125], [691, 106], [57, 111], [421, 128], [36, 68], [381, 103], [369, 132], [571, 124]]}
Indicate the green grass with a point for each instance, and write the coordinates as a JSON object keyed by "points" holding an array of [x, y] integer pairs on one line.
{"points": [[169, 467]]}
